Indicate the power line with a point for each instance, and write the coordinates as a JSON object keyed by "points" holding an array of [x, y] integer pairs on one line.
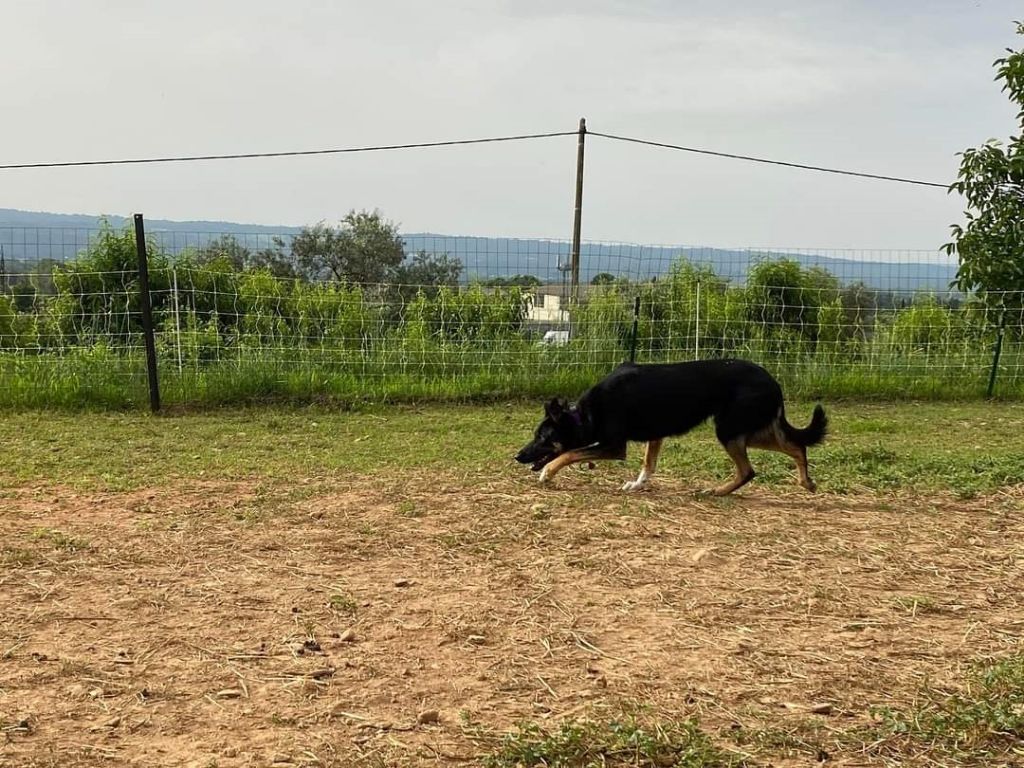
{"points": [[463, 142], [751, 159], [295, 153]]}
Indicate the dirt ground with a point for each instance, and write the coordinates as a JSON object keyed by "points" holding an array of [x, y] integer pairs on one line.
{"points": [[391, 620]]}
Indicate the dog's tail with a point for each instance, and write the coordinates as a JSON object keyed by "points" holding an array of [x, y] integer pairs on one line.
{"points": [[810, 435]]}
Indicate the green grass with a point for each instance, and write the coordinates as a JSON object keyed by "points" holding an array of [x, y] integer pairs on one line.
{"points": [[343, 604], [627, 742], [981, 723], [115, 382], [60, 540], [976, 721], [964, 448], [100, 379]]}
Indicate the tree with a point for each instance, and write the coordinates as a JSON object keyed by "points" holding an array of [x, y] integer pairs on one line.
{"points": [[365, 248], [603, 278], [275, 260], [522, 281], [43, 277], [782, 296], [424, 276], [224, 250], [860, 307], [98, 293], [990, 247], [429, 269], [23, 294]]}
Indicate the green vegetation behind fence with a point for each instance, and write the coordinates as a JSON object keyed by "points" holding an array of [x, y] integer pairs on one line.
{"points": [[227, 332]]}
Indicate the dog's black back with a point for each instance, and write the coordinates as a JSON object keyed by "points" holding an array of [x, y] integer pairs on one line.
{"points": [[654, 401]]}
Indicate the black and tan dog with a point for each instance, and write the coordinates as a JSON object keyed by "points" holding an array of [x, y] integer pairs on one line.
{"points": [[647, 403]]}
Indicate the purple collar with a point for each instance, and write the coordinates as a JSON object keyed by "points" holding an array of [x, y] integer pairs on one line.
{"points": [[576, 417]]}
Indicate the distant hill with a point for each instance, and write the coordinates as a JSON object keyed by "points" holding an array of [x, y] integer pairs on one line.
{"points": [[499, 256], [28, 237], [10, 217]]}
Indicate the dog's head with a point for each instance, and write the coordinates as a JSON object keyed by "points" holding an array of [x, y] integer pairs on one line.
{"points": [[558, 432]]}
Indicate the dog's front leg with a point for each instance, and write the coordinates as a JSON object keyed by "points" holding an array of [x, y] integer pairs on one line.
{"points": [[650, 464], [593, 453], [553, 467]]}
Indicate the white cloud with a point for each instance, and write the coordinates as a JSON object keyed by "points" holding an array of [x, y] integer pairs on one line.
{"points": [[856, 84]]}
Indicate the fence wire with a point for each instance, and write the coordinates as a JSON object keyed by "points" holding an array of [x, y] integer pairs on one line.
{"points": [[501, 322]]}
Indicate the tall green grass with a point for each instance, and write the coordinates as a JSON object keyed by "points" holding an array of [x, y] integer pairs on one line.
{"points": [[98, 378]]}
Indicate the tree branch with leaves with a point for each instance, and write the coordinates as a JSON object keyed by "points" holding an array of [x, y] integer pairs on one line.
{"points": [[990, 245]]}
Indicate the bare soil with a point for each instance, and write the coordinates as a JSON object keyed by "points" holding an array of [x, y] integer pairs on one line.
{"points": [[213, 624]]}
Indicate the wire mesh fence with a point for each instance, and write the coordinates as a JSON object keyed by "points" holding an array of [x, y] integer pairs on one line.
{"points": [[39, 249], [236, 317]]}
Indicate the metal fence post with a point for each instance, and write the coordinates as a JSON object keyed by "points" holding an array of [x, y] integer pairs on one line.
{"points": [[696, 326], [147, 314], [996, 350], [177, 318], [636, 323]]}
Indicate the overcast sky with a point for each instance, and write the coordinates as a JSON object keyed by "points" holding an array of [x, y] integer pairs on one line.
{"points": [[895, 87]]}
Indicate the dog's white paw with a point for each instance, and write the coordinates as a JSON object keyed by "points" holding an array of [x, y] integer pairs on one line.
{"points": [[634, 485], [639, 484], [544, 477]]}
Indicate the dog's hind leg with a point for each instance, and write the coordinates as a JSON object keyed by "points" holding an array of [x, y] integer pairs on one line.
{"points": [[737, 450], [774, 439], [800, 457], [594, 453], [650, 464], [799, 454]]}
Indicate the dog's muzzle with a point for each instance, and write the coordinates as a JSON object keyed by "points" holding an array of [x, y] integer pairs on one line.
{"points": [[536, 464]]}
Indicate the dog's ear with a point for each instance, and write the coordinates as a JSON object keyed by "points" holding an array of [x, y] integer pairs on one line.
{"points": [[555, 408]]}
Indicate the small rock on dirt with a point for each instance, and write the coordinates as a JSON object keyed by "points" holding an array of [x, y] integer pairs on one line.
{"points": [[428, 717], [700, 554], [403, 582], [110, 724], [348, 636]]}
